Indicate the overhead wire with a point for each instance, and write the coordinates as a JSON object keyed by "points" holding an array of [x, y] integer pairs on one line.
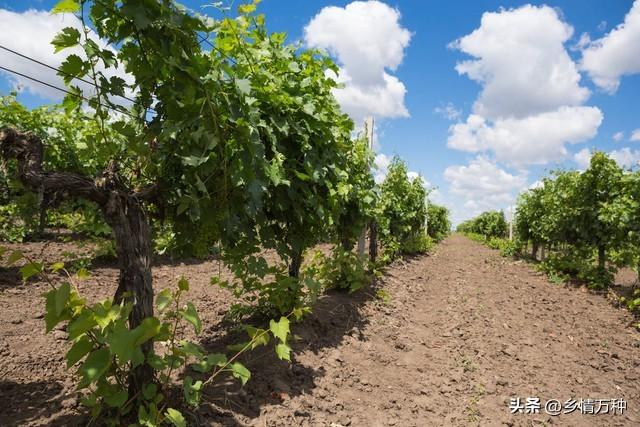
{"points": [[68, 92]]}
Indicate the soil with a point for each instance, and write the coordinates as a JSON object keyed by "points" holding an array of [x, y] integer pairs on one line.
{"points": [[443, 339]]}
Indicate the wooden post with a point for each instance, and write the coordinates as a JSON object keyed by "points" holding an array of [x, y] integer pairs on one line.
{"points": [[511, 223], [426, 217], [368, 128]]}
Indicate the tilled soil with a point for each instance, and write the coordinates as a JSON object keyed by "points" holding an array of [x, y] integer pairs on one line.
{"points": [[451, 339]]}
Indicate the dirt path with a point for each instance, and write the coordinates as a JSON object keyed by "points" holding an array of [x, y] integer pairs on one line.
{"points": [[464, 331]]}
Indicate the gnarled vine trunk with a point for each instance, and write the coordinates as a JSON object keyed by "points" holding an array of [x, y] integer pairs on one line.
{"points": [[130, 225], [534, 250], [122, 210], [601, 258], [373, 241], [294, 264]]}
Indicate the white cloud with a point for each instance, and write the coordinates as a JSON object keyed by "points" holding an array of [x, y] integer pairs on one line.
{"points": [[369, 43], [521, 62], [582, 158], [602, 26], [536, 184], [626, 158], [635, 135], [412, 175], [448, 111], [530, 106], [30, 33], [482, 185], [582, 42], [536, 139], [616, 54], [619, 136], [382, 101]]}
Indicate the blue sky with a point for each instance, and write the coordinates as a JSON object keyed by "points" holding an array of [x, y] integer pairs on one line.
{"points": [[543, 82]]}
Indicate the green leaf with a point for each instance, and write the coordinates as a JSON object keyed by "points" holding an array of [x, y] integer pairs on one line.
{"points": [[194, 160], [72, 67], [137, 12], [78, 351], [94, 366], [156, 362], [66, 6], [81, 324], [280, 329], [191, 315], [118, 399], [163, 299], [244, 86], [122, 344], [73, 100], [294, 67], [239, 371], [283, 351], [149, 391], [192, 391], [190, 349], [57, 266], [66, 38], [246, 9], [303, 176], [31, 269], [62, 297], [175, 417], [149, 328], [309, 108], [82, 274], [15, 256], [206, 364], [183, 284]]}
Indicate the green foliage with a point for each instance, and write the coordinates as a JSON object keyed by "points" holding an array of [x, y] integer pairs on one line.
{"points": [[582, 219], [402, 212], [342, 269], [488, 224], [248, 150], [12, 229], [507, 248], [357, 193], [418, 244], [439, 225], [632, 303], [105, 350]]}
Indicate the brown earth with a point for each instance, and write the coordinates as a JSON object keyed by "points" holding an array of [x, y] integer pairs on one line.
{"points": [[464, 330]]}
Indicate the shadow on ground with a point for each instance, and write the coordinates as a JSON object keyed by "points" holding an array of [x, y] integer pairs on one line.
{"points": [[36, 401], [335, 316]]}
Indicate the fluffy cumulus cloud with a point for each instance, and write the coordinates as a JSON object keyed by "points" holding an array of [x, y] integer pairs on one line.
{"points": [[635, 135], [616, 54], [537, 139], [626, 157], [618, 136], [523, 70], [531, 102], [482, 185], [369, 43], [30, 33]]}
